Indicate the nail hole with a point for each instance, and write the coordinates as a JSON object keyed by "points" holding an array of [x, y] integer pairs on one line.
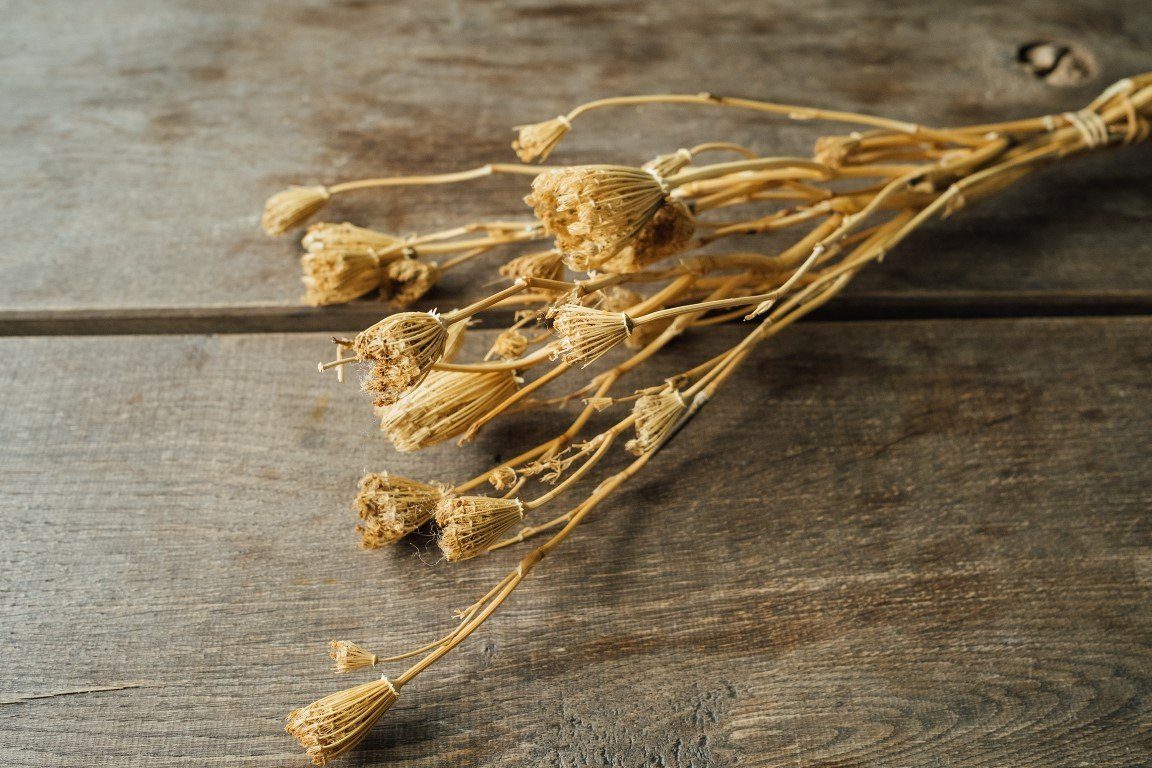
{"points": [[1058, 63]]}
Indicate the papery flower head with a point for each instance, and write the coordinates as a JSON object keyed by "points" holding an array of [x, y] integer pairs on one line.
{"points": [[331, 726], [391, 507], [535, 141], [349, 656], [548, 265], [668, 232], [656, 415], [470, 525], [402, 348], [284, 210], [444, 406], [337, 276], [407, 281], [586, 334], [326, 235]]}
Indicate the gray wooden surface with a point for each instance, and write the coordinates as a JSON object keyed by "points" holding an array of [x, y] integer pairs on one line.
{"points": [[890, 543], [918, 542], [140, 140]]}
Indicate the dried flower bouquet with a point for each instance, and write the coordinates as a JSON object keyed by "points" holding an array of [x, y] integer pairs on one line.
{"points": [[854, 200]]}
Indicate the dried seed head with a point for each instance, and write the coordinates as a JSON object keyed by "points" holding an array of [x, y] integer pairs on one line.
{"points": [[284, 210], [349, 656], [617, 298], [502, 477], [586, 333], [656, 415], [331, 726], [346, 236], [548, 265], [536, 141], [445, 405], [668, 233], [408, 281], [595, 210], [391, 507], [510, 344], [471, 524], [337, 276], [403, 348], [666, 165]]}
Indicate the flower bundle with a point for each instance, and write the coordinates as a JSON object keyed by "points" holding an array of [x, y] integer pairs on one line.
{"points": [[625, 273]]}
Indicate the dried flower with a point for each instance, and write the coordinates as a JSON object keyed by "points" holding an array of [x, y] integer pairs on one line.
{"points": [[536, 141], [284, 210], [548, 265], [666, 165], [445, 405], [669, 232], [337, 276], [594, 210], [346, 236], [403, 348], [349, 656], [408, 281], [586, 333], [331, 726], [502, 477], [391, 507], [471, 524], [510, 344], [656, 415]]}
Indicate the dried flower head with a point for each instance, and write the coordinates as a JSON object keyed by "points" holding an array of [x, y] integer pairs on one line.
{"points": [[391, 507], [668, 233], [617, 298], [548, 265], [408, 281], [656, 415], [445, 405], [510, 344], [346, 236], [284, 210], [595, 210], [586, 333], [666, 165], [349, 656], [502, 477], [337, 276], [403, 348], [536, 141], [471, 524], [331, 726]]}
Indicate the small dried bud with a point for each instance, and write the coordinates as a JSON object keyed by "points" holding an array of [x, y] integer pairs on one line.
{"points": [[600, 404], [502, 477], [408, 281], [666, 165], [403, 348], [331, 726], [471, 524], [335, 276], [445, 405], [548, 265], [593, 211], [586, 333], [349, 656], [536, 141], [510, 344], [391, 507], [284, 210], [346, 236], [656, 415]]}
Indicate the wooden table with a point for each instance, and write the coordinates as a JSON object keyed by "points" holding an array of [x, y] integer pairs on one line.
{"points": [[901, 537]]}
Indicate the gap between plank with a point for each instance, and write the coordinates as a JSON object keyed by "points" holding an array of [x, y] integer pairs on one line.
{"points": [[352, 317]]}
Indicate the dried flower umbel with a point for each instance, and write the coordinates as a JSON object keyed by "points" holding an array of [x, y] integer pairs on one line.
{"points": [[843, 209]]}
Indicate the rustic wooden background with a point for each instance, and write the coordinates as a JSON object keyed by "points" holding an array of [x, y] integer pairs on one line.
{"points": [[902, 537]]}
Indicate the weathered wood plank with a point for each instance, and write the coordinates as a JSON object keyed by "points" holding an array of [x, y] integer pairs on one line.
{"points": [[139, 145], [886, 544]]}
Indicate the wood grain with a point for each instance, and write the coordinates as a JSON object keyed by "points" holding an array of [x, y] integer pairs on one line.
{"points": [[885, 544], [139, 146]]}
